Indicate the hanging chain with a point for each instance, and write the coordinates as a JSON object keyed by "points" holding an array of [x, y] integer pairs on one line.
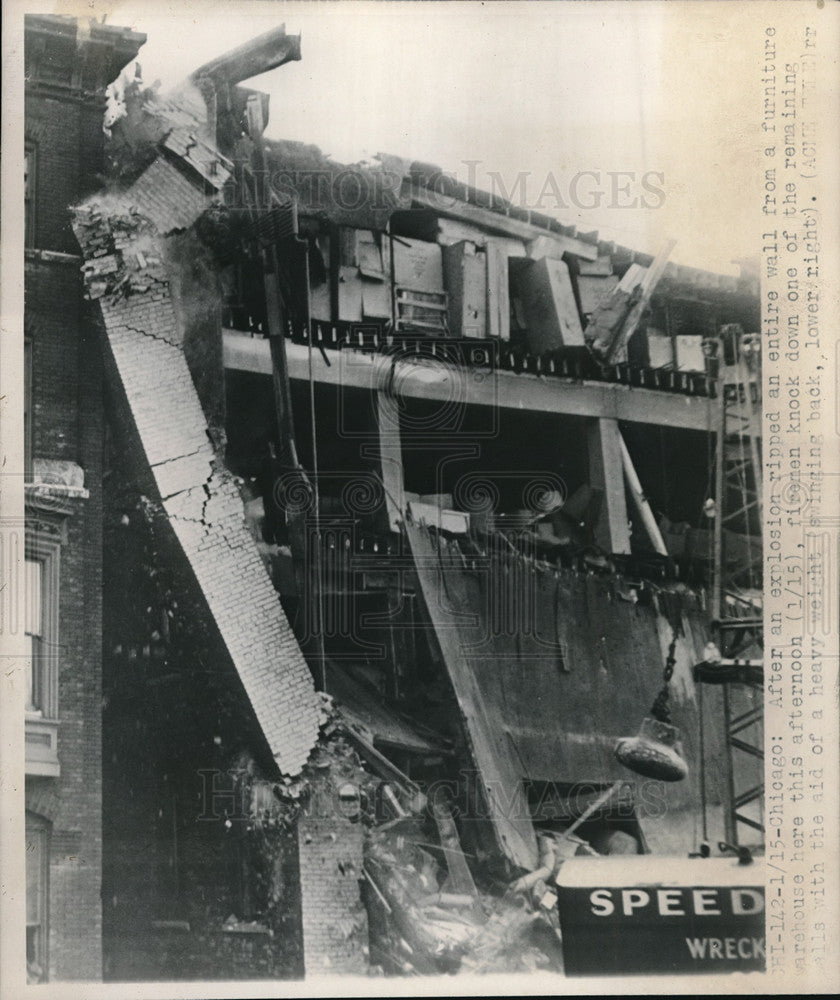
{"points": [[661, 710]]}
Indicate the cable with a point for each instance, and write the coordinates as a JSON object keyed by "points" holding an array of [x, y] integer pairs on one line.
{"points": [[703, 765], [319, 583]]}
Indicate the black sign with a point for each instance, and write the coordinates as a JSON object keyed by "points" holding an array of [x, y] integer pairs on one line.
{"points": [[662, 929]]}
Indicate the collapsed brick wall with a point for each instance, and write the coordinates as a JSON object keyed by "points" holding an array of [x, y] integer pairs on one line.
{"points": [[173, 825], [123, 240], [132, 244], [334, 920]]}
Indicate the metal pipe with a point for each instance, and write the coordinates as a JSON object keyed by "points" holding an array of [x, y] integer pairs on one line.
{"points": [[548, 861], [593, 807], [640, 500]]}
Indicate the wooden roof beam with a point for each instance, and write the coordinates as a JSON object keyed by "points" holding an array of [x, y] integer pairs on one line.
{"points": [[452, 208], [259, 55]]}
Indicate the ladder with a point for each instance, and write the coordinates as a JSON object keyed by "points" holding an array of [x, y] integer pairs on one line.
{"points": [[739, 494], [738, 565]]}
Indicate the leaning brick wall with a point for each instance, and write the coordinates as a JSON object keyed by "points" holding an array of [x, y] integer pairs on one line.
{"points": [[201, 501], [334, 921]]}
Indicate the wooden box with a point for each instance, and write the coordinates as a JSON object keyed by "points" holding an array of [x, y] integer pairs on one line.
{"points": [[545, 290]]}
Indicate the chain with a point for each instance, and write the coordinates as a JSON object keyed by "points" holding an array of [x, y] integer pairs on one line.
{"points": [[660, 709]]}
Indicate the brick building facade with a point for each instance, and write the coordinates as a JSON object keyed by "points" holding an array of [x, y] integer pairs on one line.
{"points": [[68, 67], [131, 872]]}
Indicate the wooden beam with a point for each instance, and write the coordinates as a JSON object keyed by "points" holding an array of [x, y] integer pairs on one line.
{"points": [[390, 457], [640, 500], [463, 211], [279, 366], [617, 350], [504, 390], [259, 55], [649, 283], [612, 532]]}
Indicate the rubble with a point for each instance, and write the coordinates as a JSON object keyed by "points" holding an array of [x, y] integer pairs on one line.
{"points": [[422, 930]]}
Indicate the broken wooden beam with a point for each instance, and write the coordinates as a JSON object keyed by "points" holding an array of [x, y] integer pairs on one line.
{"points": [[611, 346]]}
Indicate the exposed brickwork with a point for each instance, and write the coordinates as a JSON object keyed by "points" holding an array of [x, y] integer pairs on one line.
{"points": [[199, 497], [330, 849], [53, 321], [64, 125], [61, 128], [168, 198], [168, 850], [68, 425]]}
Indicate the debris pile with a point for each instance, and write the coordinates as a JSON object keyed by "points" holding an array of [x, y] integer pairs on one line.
{"points": [[419, 927]]}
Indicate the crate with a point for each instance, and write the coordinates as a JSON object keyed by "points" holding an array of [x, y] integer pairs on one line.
{"points": [[689, 353], [465, 277], [425, 312], [651, 348], [548, 300]]}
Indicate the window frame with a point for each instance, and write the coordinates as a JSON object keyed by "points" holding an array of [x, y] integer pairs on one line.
{"points": [[28, 412], [30, 192], [42, 723], [47, 552], [37, 827], [32, 593]]}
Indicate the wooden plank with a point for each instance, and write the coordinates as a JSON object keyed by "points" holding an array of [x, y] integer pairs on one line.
{"points": [[465, 277], [612, 532], [390, 457], [605, 321], [640, 500], [498, 292], [462, 211], [648, 284]]}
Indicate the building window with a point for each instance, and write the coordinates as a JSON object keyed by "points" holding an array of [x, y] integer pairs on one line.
{"points": [[41, 610], [41, 581], [27, 410], [37, 897], [30, 164], [34, 577]]}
